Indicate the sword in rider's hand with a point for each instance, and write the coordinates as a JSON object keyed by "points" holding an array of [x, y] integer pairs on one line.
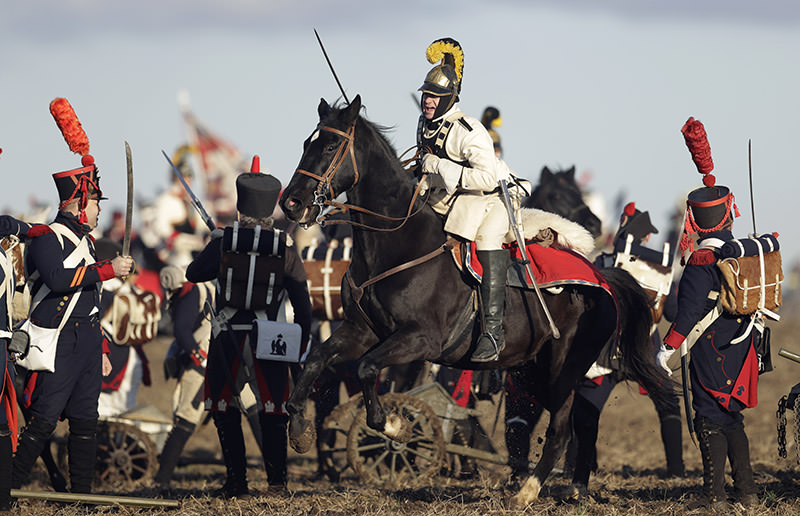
{"points": [[526, 259], [195, 201], [126, 241]]}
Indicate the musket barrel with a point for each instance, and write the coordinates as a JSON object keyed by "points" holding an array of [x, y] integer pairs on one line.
{"points": [[790, 355], [95, 499]]}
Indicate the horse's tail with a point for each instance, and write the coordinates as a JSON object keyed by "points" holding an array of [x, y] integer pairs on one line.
{"points": [[637, 356]]}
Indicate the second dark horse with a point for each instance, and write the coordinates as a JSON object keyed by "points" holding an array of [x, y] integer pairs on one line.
{"points": [[409, 315]]}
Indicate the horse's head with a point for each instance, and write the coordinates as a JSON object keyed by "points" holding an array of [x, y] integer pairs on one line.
{"points": [[557, 192], [328, 165]]}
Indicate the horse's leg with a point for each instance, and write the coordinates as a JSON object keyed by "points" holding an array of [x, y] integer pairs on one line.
{"points": [[349, 341], [556, 438], [404, 346]]}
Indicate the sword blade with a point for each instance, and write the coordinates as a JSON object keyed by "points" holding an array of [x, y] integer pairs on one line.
{"points": [[126, 241], [687, 399], [523, 251], [330, 65], [195, 201]]}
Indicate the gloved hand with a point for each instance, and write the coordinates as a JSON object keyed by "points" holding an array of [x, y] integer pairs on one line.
{"points": [[663, 356], [430, 163]]}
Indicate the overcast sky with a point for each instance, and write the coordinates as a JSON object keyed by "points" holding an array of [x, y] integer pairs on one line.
{"points": [[604, 85]]}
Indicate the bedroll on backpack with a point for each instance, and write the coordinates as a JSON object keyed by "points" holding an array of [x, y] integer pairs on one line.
{"points": [[135, 314], [751, 282]]}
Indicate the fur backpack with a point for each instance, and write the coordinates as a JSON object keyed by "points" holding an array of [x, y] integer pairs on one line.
{"points": [[751, 275]]}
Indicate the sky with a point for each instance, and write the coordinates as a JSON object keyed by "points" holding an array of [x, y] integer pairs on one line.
{"points": [[602, 85]]}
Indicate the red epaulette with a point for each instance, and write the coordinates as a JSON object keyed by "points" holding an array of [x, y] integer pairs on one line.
{"points": [[38, 230], [702, 257], [187, 287]]}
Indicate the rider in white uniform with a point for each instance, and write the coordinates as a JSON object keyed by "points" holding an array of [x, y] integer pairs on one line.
{"points": [[464, 168]]}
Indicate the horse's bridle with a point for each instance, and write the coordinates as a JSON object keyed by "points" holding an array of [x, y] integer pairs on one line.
{"points": [[324, 194], [324, 188]]}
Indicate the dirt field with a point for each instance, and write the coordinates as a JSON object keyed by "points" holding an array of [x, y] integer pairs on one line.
{"points": [[630, 457]]}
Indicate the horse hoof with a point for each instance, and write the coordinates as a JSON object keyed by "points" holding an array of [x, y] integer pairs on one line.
{"points": [[302, 435], [573, 492], [528, 494], [397, 428]]}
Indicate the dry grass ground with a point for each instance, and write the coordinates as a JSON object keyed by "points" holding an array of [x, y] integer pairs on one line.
{"points": [[630, 457]]}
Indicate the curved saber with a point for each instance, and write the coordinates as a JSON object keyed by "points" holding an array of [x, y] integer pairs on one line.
{"points": [[126, 241], [330, 65], [195, 201]]}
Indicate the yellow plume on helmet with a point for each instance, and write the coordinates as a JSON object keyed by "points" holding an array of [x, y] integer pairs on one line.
{"points": [[449, 52]]}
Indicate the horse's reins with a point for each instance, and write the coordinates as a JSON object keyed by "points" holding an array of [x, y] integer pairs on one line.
{"points": [[324, 187], [358, 290]]}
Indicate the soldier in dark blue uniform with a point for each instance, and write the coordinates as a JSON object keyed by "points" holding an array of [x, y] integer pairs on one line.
{"points": [[65, 280], [723, 372], [254, 264], [8, 410]]}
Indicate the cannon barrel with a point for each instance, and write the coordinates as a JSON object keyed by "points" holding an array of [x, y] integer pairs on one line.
{"points": [[790, 355], [95, 499]]}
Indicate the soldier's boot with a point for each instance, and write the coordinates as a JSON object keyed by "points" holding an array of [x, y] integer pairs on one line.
{"points": [[82, 450], [673, 446], [231, 441], [181, 431], [31, 443], [253, 420], [714, 452], [274, 437], [5, 468], [493, 295], [739, 454]]}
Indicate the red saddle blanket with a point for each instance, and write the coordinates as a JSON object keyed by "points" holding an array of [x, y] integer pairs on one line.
{"points": [[551, 266]]}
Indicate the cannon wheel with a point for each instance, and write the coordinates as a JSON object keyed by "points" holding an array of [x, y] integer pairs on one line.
{"points": [[124, 453], [379, 460], [333, 437]]}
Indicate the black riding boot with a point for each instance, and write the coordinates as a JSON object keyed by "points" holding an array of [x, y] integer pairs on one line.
{"points": [[493, 295], [739, 454], [82, 450], [673, 447], [181, 431], [273, 432], [5, 468], [231, 441], [31, 443], [714, 450]]}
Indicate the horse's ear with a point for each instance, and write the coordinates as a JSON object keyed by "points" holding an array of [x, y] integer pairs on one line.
{"points": [[546, 175], [570, 173], [323, 109], [351, 112]]}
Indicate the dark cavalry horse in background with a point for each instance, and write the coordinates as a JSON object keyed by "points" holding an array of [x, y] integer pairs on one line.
{"points": [[557, 192], [410, 313]]}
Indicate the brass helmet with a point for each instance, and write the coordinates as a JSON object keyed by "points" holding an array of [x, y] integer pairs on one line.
{"points": [[444, 79]]}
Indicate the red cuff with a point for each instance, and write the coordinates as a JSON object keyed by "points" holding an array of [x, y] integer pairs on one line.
{"points": [[106, 349], [674, 339], [106, 271]]}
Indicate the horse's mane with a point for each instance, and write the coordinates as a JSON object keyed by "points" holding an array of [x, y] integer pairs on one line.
{"points": [[379, 131]]}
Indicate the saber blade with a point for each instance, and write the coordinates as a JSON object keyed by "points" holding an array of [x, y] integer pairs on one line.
{"points": [[330, 65], [126, 241], [195, 201]]}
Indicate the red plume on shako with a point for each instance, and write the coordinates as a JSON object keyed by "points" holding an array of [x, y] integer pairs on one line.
{"points": [[80, 183], [708, 208]]}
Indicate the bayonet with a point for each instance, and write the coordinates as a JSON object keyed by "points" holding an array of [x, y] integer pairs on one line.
{"points": [[195, 201], [750, 170]]}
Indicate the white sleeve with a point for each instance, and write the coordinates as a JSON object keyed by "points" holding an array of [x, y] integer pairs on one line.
{"points": [[475, 147]]}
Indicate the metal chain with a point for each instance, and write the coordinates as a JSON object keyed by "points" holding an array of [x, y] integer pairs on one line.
{"points": [[797, 427], [781, 414]]}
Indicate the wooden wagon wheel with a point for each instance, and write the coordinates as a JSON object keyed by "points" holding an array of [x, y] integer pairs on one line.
{"points": [[333, 437], [124, 454], [379, 460]]}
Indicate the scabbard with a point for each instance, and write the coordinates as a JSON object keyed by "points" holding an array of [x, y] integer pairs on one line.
{"points": [[687, 396]]}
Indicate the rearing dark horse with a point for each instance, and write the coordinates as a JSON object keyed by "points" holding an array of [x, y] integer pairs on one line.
{"points": [[410, 314]]}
